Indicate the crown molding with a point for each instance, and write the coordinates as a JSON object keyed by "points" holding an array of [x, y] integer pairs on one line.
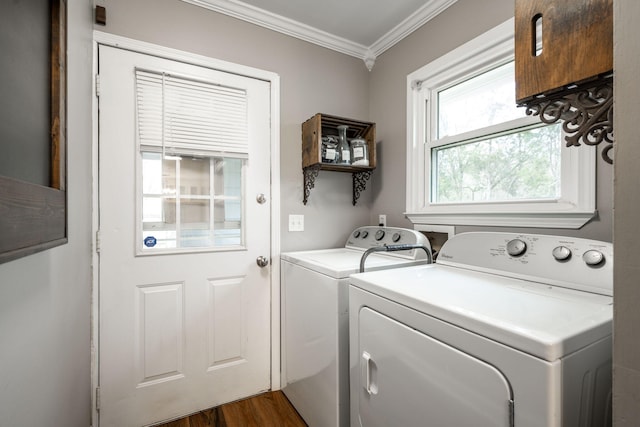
{"points": [[420, 17], [281, 24]]}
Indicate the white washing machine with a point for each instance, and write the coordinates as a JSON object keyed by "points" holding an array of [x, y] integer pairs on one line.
{"points": [[503, 330], [315, 320]]}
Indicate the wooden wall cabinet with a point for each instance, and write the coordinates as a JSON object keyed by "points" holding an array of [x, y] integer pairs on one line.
{"points": [[577, 44], [569, 76], [323, 125], [33, 213]]}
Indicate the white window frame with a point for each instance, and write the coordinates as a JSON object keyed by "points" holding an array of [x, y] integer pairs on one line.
{"points": [[574, 208]]}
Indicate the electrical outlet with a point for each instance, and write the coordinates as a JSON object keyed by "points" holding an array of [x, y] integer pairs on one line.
{"points": [[382, 220], [296, 222]]}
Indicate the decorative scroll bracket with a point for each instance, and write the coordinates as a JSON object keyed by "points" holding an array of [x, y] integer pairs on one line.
{"points": [[310, 174], [359, 184], [586, 111]]}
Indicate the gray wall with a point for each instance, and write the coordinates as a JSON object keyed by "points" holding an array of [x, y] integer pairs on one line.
{"points": [[460, 23], [313, 80], [45, 304], [626, 352]]}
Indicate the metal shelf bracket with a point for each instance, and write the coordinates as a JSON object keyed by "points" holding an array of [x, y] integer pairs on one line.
{"points": [[309, 177], [359, 184], [310, 174], [586, 111]]}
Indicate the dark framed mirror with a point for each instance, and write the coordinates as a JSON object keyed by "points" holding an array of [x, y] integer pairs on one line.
{"points": [[33, 87]]}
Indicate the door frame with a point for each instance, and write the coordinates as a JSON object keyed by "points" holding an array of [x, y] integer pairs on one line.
{"points": [[106, 39]]}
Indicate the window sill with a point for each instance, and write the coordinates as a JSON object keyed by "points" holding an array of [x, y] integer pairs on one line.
{"points": [[572, 220]]}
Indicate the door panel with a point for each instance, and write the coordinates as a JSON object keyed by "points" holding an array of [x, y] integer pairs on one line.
{"points": [[410, 379], [179, 331], [226, 335], [160, 332]]}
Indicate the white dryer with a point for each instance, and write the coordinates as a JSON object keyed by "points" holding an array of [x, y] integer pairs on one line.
{"points": [[503, 330], [315, 320]]}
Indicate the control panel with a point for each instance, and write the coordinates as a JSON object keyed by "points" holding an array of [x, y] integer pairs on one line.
{"points": [[367, 237], [565, 261]]}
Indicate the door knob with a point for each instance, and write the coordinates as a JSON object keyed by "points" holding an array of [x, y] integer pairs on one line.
{"points": [[260, 198], [262, 261]]}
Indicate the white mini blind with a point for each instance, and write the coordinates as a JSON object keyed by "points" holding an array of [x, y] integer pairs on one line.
{"points": [[185, 116]]}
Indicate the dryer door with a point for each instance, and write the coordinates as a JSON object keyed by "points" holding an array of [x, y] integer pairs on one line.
{"points": [[410, 379]]}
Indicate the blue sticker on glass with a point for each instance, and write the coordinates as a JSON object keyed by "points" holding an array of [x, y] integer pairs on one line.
{"points": [[150, 241]]}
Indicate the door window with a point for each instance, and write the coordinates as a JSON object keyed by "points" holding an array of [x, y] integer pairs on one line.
{"points": [[190, 203], [193, 138]]}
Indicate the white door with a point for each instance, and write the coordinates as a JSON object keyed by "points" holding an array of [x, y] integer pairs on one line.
{"points": [[184, 308]]}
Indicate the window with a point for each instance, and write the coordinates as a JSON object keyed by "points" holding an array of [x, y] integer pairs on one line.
{"points": [[191, 202], [193, 142], [475, 158]]}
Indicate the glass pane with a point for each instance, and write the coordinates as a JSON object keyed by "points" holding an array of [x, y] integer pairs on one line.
{"points": [[194, 176], [159, 230], [518, 166], [228, 203], [195, 228], [169, 176], [159, 239], [179, 208], [481, 101], [152, 176], [151, 209]]}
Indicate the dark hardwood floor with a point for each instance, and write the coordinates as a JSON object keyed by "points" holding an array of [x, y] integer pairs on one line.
{"points": [[270, 409]]}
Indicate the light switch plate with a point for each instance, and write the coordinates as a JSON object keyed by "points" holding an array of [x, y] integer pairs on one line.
{"points": [[296, 222]]}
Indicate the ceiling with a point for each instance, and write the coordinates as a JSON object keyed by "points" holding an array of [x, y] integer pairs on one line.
{"points": [[360, 28]]}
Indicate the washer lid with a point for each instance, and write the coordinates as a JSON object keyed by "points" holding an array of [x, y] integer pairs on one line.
{"points": [[339, 263], [545, 321]]}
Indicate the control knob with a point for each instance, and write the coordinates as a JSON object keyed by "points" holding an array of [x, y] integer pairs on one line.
{"points": [[356, 234], [561, 253], [593, 257], [396, 237], [516, 247], [379, 234]]}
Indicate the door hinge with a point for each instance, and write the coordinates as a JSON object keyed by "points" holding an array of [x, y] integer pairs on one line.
{"points": [[98, 85], [98, 241], [511, 413], [97, 399]]}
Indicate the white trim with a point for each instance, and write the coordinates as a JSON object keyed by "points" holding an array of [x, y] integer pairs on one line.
{"points": [[101, 38], [108, 39], [95, 228], [281, 24], [494, 44], [420, 17], [508, 219], [576, 206], [275, 234]]}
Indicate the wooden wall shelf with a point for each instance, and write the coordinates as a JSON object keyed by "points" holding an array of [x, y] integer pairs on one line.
{"points": [[324, 125]]}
